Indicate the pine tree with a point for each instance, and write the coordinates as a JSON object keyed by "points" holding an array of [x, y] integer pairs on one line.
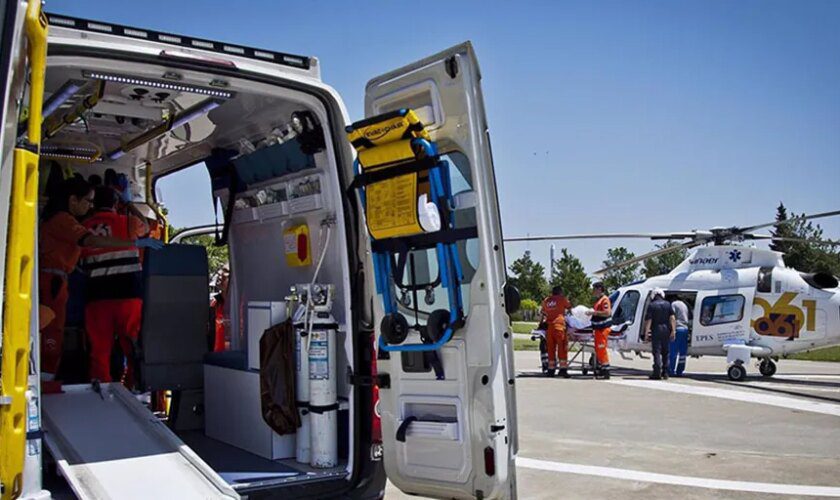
{"points": [[781, 231], [529, 277], [568, 273], [623, 275]]}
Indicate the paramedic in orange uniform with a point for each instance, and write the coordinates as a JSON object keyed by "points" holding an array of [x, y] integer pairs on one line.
{"points": [[554, 310], [114, 286], [61, 238], [601, 314]]}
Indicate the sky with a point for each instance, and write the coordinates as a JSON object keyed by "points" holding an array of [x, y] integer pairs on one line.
{"points": [[606, 116]]}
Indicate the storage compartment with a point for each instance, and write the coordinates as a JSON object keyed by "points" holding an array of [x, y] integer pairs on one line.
{"points": [[261, 317], [234, 416]]}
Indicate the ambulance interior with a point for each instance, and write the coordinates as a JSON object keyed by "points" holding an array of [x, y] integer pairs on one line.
{"points": [[272, 146]]}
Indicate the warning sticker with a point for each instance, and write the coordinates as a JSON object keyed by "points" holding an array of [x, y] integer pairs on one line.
{"points": [[392, 207], [319, 359]]}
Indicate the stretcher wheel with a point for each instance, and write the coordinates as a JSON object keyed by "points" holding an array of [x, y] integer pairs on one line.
{"points": [[435, 326], [394, 328]]}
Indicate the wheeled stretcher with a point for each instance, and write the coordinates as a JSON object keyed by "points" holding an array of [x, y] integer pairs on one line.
{"points": [[581, 342], [406, 192]]}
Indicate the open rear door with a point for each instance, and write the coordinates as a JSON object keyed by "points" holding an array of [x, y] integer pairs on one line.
{"points": [[453, 437]]}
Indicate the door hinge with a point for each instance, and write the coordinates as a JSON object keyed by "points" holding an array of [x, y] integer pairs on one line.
{"points": [[383, 380]]}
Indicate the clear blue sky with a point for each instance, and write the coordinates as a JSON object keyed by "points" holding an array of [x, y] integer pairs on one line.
{"points": [[605, 116]]}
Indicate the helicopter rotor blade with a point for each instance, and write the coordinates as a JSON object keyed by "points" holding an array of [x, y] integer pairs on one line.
{"points": [[655, 253], [796, 240], [652, 236], [788, 221]]}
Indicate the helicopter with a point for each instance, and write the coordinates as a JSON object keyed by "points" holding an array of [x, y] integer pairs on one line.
{"points": [[744, 302]]}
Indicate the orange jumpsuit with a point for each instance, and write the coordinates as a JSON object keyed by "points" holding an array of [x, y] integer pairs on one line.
{"points": [[554, 308], [58, 254], [602, 335], [115, 290]]}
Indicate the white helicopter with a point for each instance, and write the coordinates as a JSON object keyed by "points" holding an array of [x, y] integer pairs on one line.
{"points": [[745, 302]]}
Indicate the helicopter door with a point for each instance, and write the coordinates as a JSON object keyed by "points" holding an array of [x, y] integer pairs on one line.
{"points": [[453, 437], [722, 317]]}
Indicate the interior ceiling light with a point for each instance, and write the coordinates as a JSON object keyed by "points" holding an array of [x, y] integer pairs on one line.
{"points": [[143, 82], [70, 153]]}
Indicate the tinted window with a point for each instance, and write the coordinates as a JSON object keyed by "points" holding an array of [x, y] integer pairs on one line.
{"points": [[722, 309], [431, 294], [765, 280], [626, 310]]}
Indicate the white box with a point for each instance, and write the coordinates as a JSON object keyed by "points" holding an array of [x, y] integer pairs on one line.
{"points": [[233, 414], [261, 317]]}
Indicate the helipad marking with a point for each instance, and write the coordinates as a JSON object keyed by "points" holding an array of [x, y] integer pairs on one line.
{"points": [[694, 482], [743, 396]]}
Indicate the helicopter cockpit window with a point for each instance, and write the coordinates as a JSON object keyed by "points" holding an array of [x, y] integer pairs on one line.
{"points": [[626, 310], [722, 309], [765, 280]]}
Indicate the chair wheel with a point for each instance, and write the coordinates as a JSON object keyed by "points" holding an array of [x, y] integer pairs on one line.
{"points": [[394, 328], [436, 326]]}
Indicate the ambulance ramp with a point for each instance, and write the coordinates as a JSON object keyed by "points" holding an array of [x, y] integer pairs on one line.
{"points": [[107, 445]]}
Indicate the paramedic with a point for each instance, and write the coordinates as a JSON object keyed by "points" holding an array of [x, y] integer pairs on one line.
{"points": [[660, 326], [679, 346], [61, 238], [554, 309], [115, 286], [601, 314]]}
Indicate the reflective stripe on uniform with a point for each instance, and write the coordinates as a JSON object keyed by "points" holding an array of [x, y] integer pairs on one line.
{"points": [[103, 257], [111, 270]]}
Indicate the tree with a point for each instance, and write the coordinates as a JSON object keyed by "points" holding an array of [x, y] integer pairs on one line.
{"points": [[623, 275], [665, 263], [529, 277], [568, 274], [800, 255], [216, 256]]}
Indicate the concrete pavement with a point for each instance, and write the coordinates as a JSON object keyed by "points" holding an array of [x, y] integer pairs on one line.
{"points": [[654, 441]]}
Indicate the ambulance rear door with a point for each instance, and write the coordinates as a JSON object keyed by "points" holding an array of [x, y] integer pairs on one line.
{"points": [[456, 437]]}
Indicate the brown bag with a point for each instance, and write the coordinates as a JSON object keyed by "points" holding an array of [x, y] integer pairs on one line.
{"points": [[277, 378]]}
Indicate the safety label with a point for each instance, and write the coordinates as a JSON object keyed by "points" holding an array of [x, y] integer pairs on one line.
{"points": [[319, 359], [392, 207]]}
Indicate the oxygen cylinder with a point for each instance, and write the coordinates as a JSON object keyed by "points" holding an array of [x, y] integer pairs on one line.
{"points": [[302, 392], [323, 396]]}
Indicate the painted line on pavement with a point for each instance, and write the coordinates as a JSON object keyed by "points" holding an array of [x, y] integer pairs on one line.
{"points": [[743, 396], [694, 482]]}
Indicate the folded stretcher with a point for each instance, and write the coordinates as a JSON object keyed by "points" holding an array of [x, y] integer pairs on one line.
{"points": [[406, 192]]}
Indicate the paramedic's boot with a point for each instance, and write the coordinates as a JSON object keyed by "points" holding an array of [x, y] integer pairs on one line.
{"points": [[564, 373], [605, 372], [550, 372]]}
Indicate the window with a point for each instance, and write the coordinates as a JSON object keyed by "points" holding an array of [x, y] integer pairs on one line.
{"points": [[722, 309], [430, 293], [626, 310], [765, 280]]}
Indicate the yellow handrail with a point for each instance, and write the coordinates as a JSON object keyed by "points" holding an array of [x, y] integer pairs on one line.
{"points": [[14, 365]]}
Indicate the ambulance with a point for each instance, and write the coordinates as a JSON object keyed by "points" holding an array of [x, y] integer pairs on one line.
{"points": [[428, 403]]}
